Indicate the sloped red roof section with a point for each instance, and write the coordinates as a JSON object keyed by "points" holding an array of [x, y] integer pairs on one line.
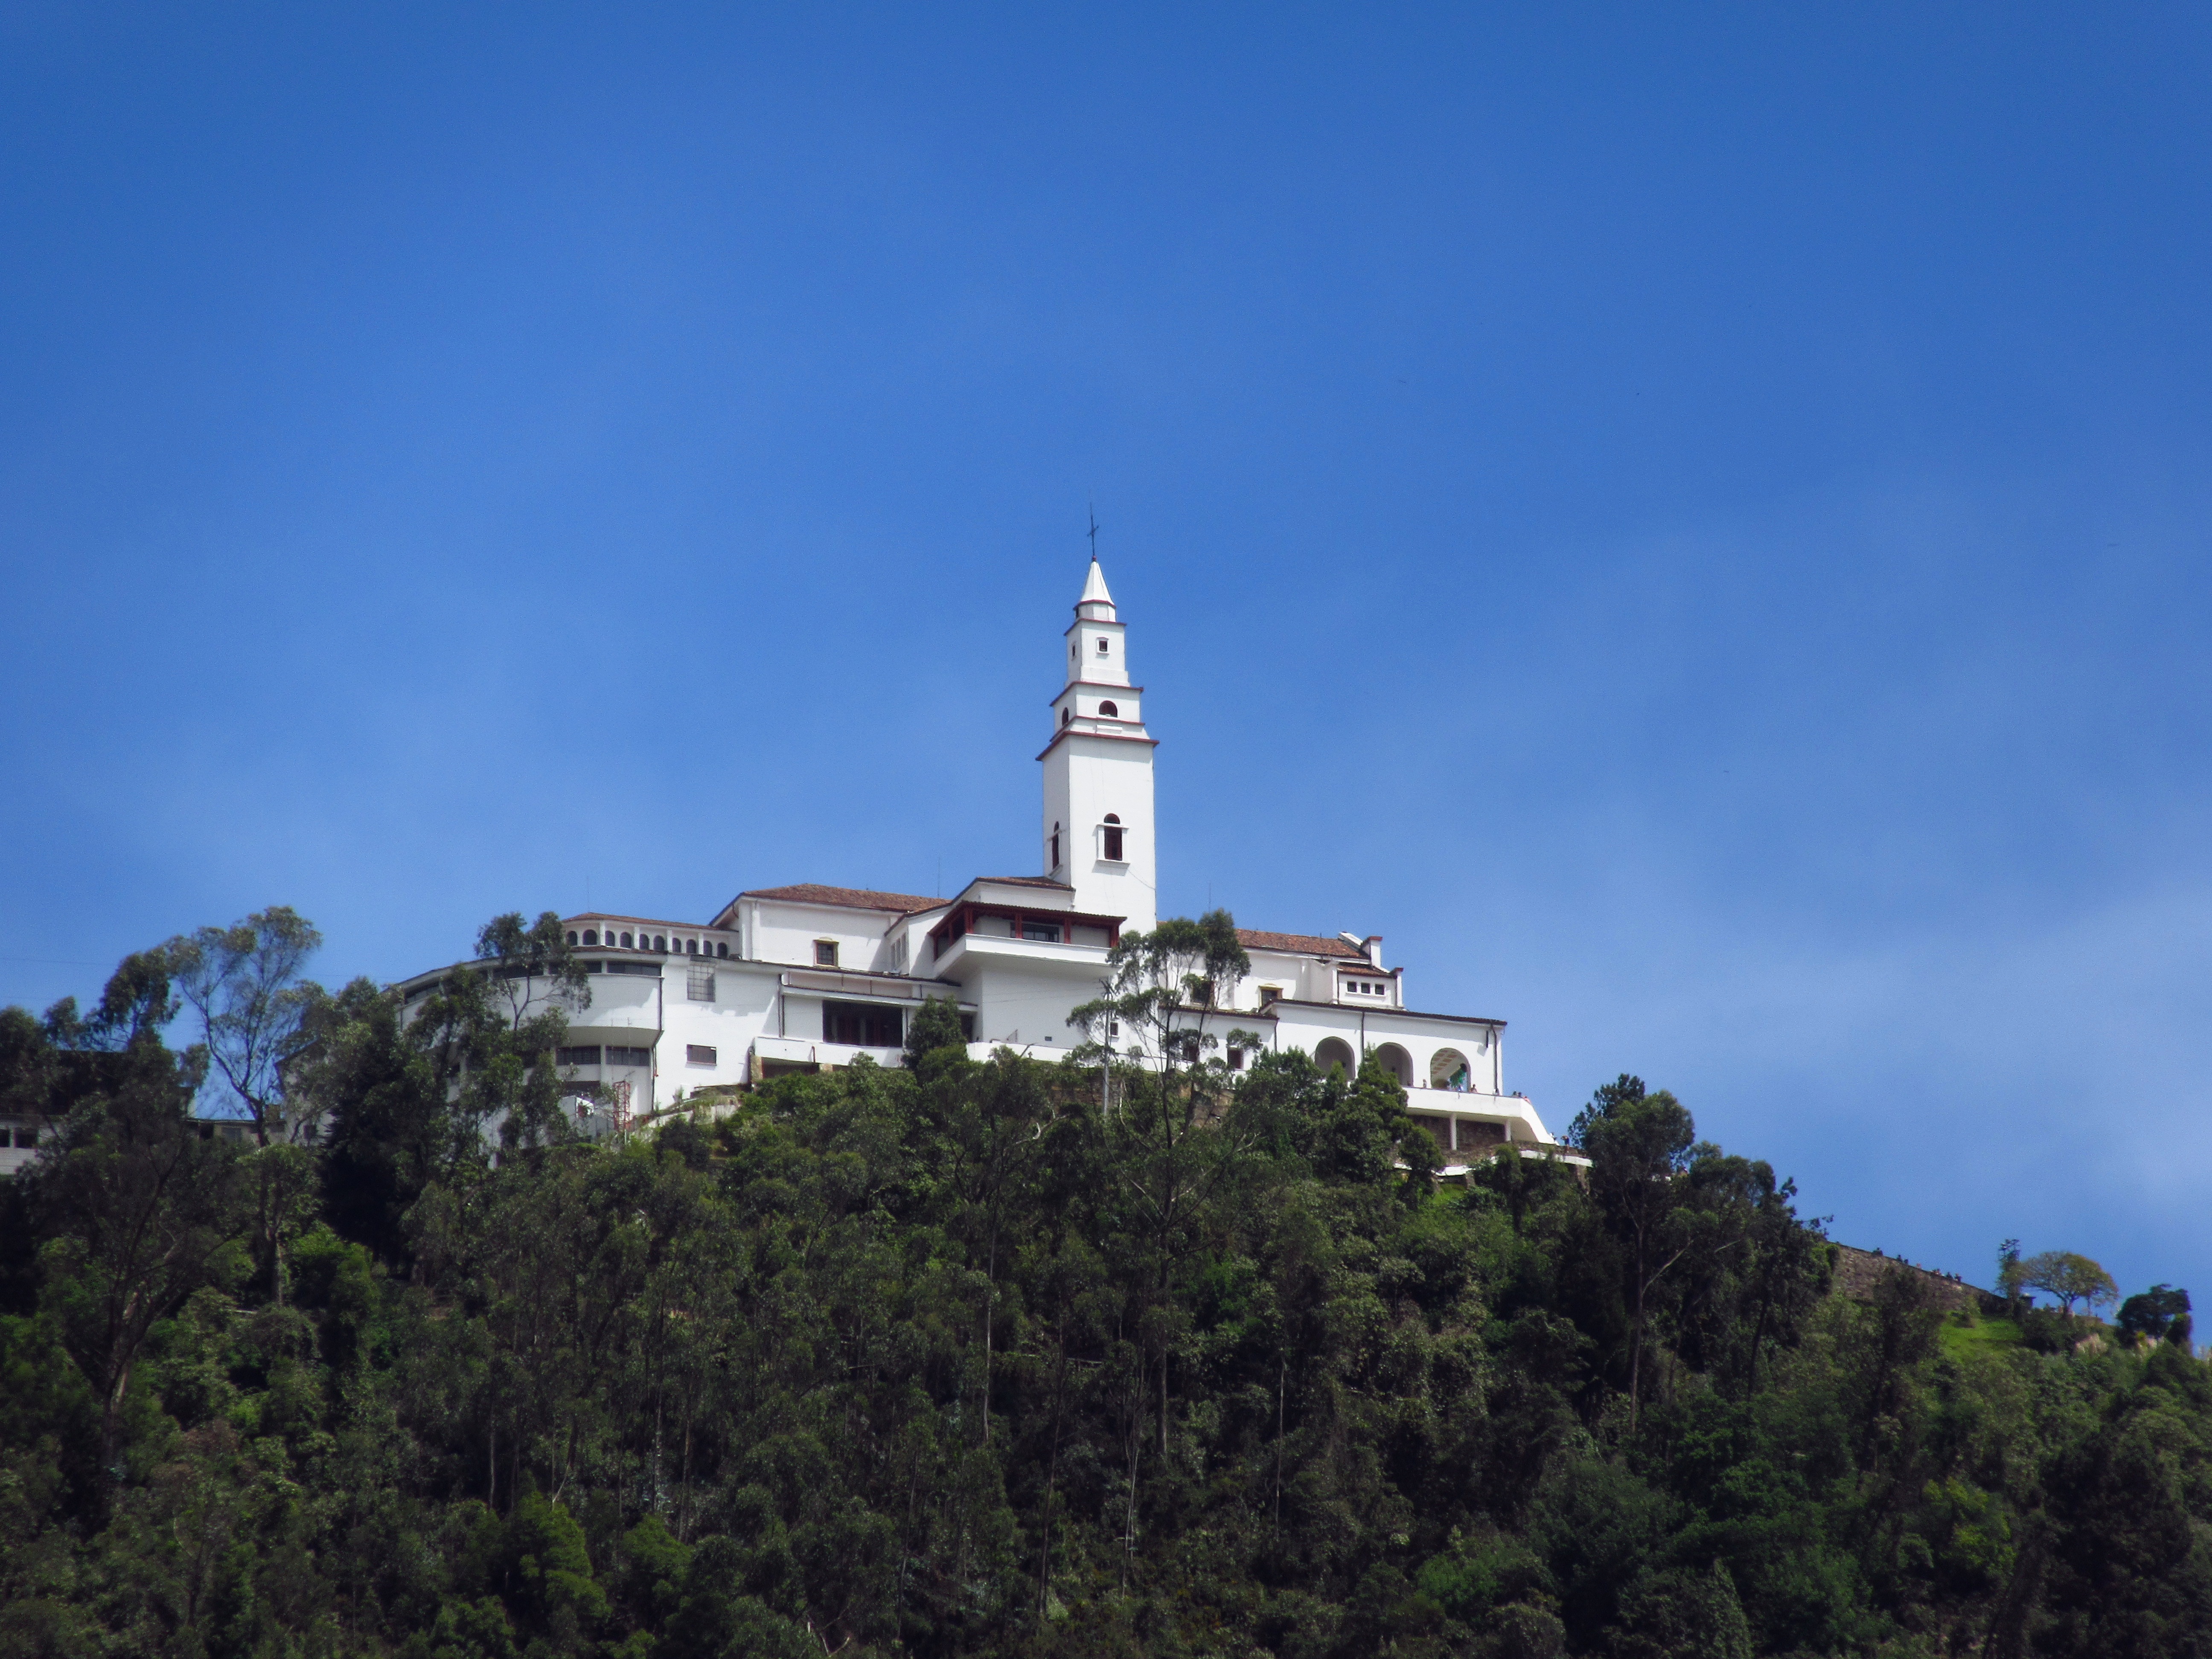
{"points": [[1304, 945], [852, 898]]}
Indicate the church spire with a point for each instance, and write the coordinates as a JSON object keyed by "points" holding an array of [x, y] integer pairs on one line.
{"points": [[1098, 769], [1097, 605]]}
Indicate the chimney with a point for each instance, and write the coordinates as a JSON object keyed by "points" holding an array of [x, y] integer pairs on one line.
{"points": [[1371, 948]]}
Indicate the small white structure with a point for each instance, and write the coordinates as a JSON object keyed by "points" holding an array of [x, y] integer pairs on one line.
{"points": [[803, 977]]}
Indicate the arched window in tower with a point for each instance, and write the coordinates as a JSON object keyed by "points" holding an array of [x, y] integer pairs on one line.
{"points": [[1055, 850], [1110, 711], [1065, 715], [1111, 836]]}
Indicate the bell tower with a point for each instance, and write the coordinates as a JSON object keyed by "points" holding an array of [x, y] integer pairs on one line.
{"points": [[1098, 770]]}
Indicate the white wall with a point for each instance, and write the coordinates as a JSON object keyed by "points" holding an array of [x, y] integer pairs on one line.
{"points": [[1086, 777], [778, 931]]}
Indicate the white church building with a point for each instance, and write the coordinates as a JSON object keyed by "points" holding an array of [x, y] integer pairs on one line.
{"points": [[808, 977]]}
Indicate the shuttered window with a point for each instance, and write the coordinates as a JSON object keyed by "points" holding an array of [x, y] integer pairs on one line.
{"points": [[698, 1054]]}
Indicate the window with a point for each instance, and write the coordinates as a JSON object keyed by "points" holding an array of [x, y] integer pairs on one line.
{"points": [[690, 947], [1065, 715], [1109, 711], [1056, 847], [1103, 647], [700, 984], [572, 936], [590, 936], [1041, 933], [628, 1056], [1236, 1060], [864, 1024], [1202, 993], [825, 953], [649, 969], [659, 943], [585, 1055], [698, 1054], [593, 966], [625, 941], [722, 948], [1111, 840], [1270, 994]]}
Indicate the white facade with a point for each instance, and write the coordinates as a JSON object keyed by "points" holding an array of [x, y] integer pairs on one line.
{"points": [[807, 976]]}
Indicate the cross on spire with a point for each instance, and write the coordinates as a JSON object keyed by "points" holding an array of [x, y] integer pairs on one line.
{"points": [[1094, 533]]}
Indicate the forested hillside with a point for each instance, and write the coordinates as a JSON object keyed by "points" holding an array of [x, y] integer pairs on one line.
{"points": [[996, 1358]]}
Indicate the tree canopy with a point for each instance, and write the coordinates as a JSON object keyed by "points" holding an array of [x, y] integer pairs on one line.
{"points": [[985, 1357]]}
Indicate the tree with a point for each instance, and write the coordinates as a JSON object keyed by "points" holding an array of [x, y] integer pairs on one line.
{"points": [[2159, 1314], [1161, 989], [386, 1129], [137, 1211], [934, 1030], [490, 1034], [2070, 1278], [2009, 1285], [1639, 1146], [244, 981]]}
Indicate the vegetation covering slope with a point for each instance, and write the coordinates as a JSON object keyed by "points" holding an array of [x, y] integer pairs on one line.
{"points": [[997, 1358]]}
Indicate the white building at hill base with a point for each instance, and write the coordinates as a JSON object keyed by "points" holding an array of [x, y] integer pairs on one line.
{"points": [[805, 977]]}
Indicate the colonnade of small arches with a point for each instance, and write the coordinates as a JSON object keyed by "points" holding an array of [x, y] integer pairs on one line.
{"points": [[1448, 1068], [688, 947]]}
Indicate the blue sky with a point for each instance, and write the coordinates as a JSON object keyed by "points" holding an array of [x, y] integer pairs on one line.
{"points": [[1689, 521]]}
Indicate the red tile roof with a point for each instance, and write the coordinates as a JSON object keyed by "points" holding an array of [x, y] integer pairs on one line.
{"points": [[850, 898], [1023, 881], [1303, 945]]}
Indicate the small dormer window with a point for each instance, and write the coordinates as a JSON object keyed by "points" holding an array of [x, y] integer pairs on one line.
{"points": [[1109, 711]]}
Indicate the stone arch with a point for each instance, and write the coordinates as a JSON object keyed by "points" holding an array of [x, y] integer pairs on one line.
{"points": [[1447, 1069], [1334, 1051], [1397, 1062]]}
